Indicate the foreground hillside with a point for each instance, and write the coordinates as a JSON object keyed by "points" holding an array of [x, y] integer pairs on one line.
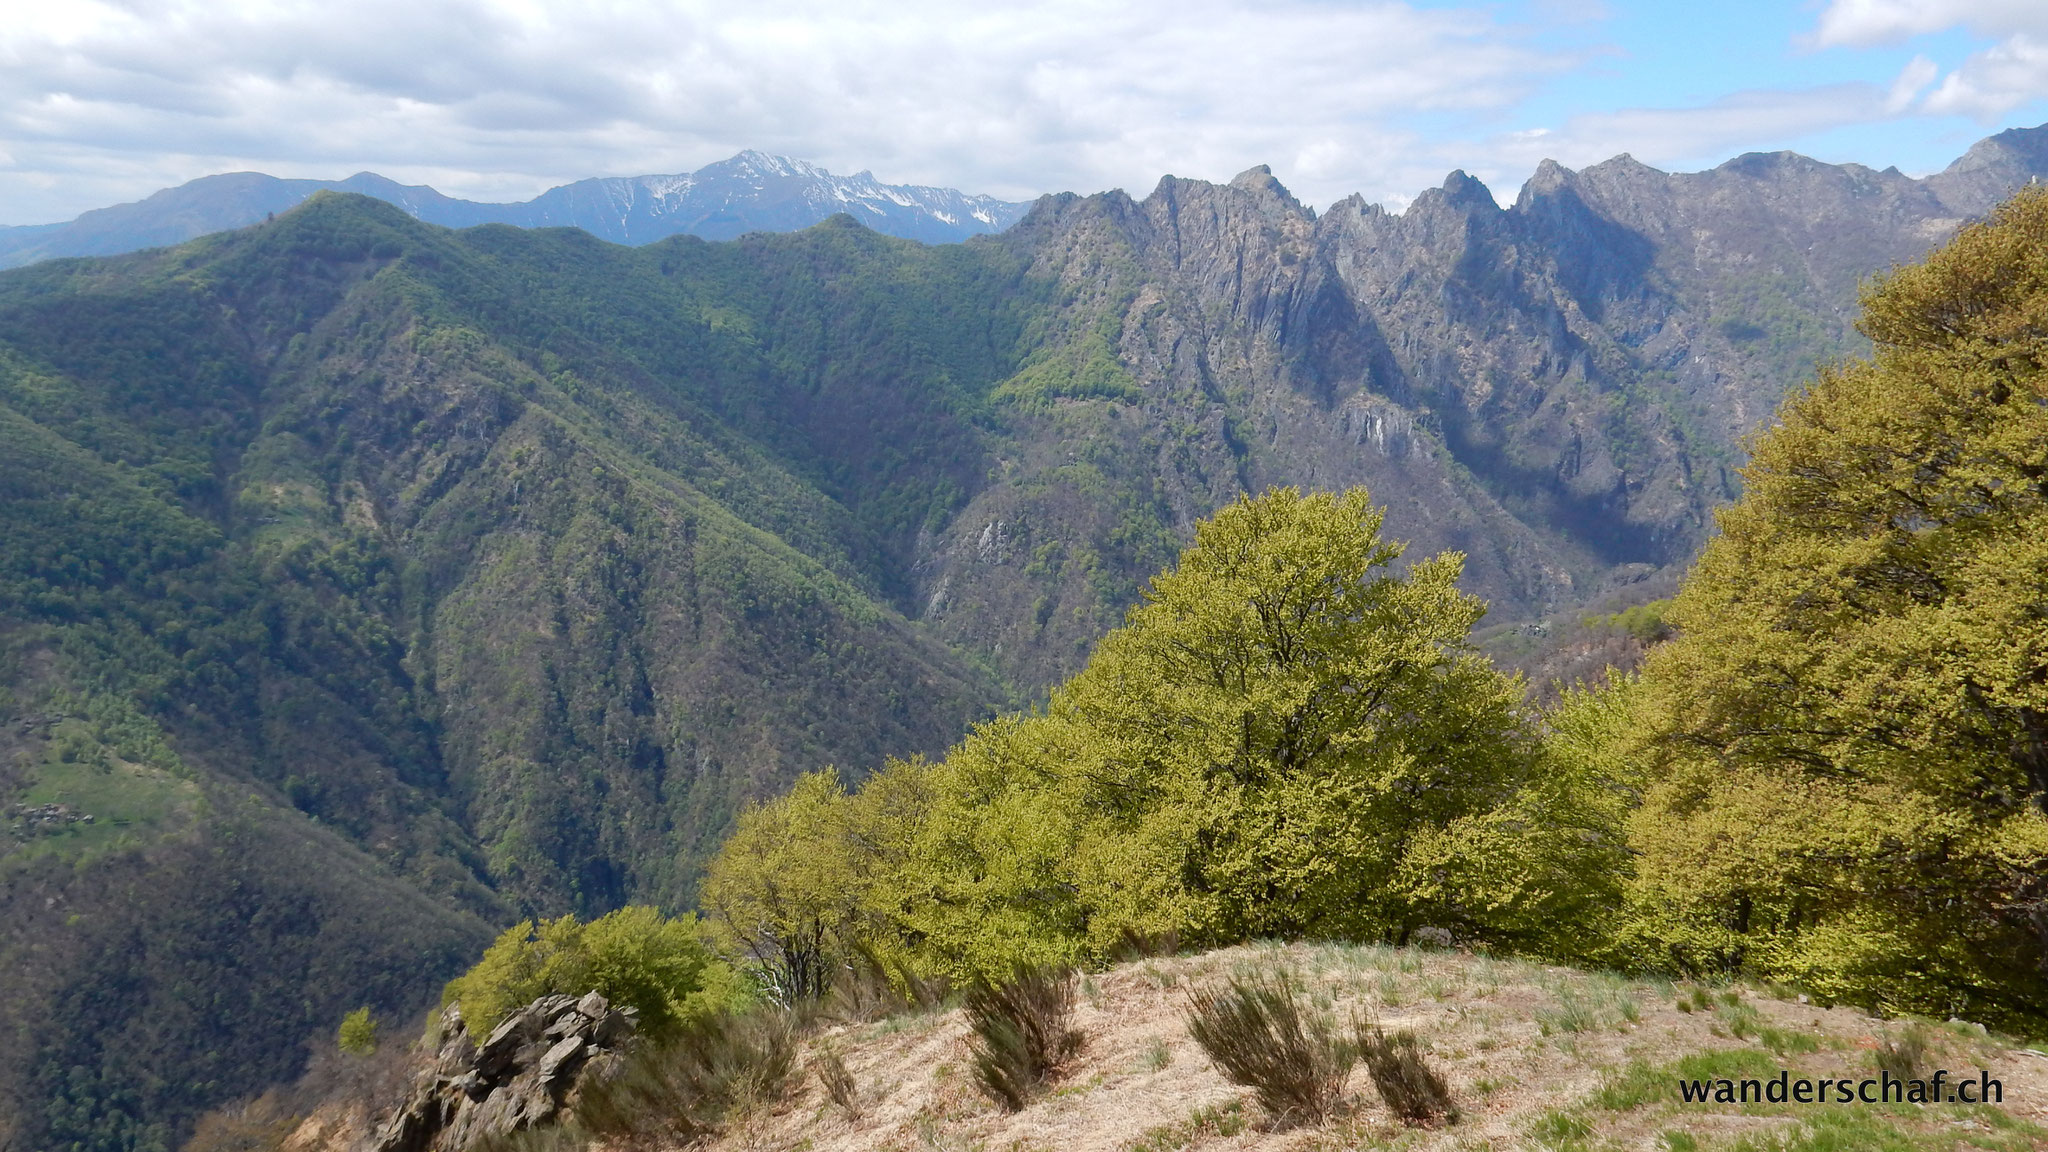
{"points": [[1536, 1057]]}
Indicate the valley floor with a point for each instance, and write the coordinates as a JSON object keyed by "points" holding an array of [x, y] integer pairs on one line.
{"points": [[1537, 1057]]}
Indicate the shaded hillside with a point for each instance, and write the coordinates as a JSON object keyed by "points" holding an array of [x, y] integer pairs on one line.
{"points": [[506, 559]]}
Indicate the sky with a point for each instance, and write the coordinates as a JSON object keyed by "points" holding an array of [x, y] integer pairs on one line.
{"points": [[105, 101]]}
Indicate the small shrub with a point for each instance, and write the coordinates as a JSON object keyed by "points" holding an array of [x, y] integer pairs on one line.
{"points": [[358, 1035], [1603, 1002], [1134, 945], [838, 1083], [681, 1090], [1742, 1020], [1574, 1013], [1787, 1042], [1904, 1055], [1412, 1089], [258, 1125], [1157, 1055], [547, 1138], [1263, 1033], [872, 985], [1633, 1087], [1021, 1037]]}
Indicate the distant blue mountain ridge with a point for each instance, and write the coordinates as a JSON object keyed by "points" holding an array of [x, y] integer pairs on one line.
{"points": [[752, 192]]}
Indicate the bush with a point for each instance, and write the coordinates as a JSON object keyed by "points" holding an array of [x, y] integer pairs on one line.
{"points": [[634, 957], [838, 1083], [1904, 1055], [1411, 1088], [1261, 1032], [682, 1090], [358, 1035], [1021, 1037]]}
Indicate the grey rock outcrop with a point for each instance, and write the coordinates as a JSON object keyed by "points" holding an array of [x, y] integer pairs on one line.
{"points": [[524, 1074]]}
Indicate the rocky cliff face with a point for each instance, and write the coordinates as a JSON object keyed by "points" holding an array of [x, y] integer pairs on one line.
{"points": [[523, 1075], [1558, 388]]}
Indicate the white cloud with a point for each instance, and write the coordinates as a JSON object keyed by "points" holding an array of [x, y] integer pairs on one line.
{"points": [[1689, 138], [103, 100], [1913, 79], [1861, 23], [1996, 80], [1987, 84], [108, 100]]}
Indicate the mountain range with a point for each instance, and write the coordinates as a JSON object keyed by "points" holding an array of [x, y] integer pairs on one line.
{"points": [[752, 192], [373, 585]]}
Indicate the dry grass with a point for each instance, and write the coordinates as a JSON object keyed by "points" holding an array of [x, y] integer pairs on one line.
{"points": [[1143, 1085], [1536, 1057]]}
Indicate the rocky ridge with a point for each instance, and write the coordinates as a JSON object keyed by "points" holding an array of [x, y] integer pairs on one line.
{"points": [[522, 1076], [1558, 388]]}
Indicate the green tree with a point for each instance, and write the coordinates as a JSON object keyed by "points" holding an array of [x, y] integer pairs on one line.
{"points": [[783, 887], [1271, 732], [1288, 738], [1850, 735], [1544, 871], [814, 880], [634, 957], [358, 1035]]}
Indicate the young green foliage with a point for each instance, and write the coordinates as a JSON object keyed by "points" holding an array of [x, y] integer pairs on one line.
{"points": [[1278, 720], [1850, 735], [803, 885], [358, 1034], [635, 957], [1288, 738]]}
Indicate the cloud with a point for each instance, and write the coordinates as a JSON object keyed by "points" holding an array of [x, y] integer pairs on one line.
{"points": [[507, 98], [1913, 79], [108, 100], [1687, 138], [1995, 81], [1990, 82], [1862, 23]]}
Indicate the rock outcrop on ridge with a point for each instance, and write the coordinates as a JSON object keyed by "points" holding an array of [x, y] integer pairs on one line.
{"points": [[523, 1074]]}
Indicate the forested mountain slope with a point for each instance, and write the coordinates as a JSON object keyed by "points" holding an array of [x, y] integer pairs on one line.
{"points": [[373, 584], [452, 546]]}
